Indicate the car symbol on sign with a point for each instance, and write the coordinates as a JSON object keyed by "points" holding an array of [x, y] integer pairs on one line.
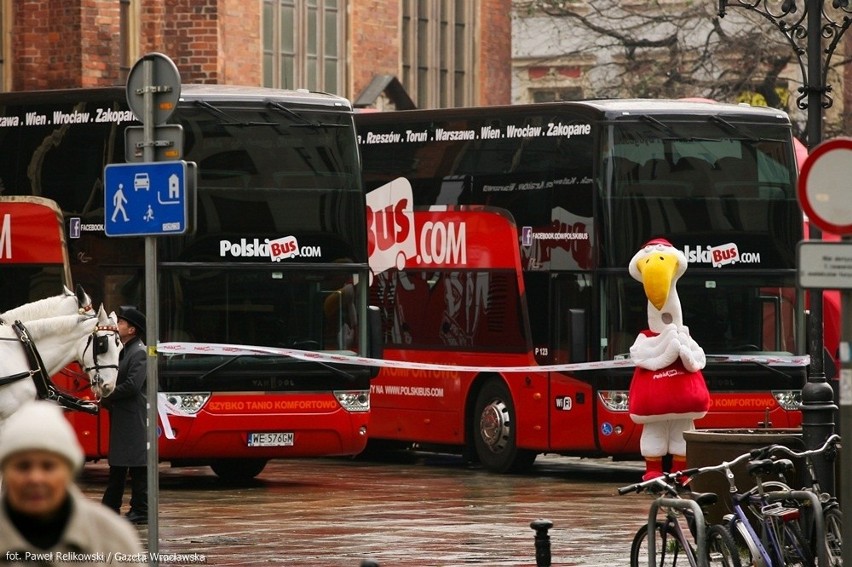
{"points": [[141, 181]]}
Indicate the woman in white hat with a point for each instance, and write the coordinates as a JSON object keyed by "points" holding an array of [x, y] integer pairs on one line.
{"points": [[43, 515]]}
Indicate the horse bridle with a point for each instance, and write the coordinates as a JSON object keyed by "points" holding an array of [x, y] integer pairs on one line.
{"points": [[45, 388], [100, 345]]}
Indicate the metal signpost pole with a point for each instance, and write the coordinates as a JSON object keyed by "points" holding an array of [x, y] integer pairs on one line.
{"points": [[162, 203], [153, 90], [152, 302]]}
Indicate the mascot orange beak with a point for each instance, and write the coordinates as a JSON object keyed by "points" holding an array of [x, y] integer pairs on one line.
{"points": [[658, 270]]}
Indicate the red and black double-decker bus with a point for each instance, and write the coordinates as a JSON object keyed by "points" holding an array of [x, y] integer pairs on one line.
{"points": [[586, 184], [273, 166]]}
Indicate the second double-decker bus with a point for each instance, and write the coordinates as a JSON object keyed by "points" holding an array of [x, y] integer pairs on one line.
{"points": [[586, 185], [277, 259]]}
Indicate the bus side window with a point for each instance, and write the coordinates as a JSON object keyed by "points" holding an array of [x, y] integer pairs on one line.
{"points": [[572, 299], [624, 170]]}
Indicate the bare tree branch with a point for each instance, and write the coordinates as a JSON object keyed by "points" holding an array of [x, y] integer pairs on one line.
{"points": [[662, 48]]}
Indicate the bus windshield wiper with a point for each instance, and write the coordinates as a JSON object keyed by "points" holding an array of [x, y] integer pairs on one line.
{"points": [[219, 367], [304, 122], [733, 128], [662, 127], [227, 119], [334, 369], [721, 359], [233, 358]]}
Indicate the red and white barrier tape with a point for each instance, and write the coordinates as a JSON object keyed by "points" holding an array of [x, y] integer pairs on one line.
{"points": [[219, 349]]}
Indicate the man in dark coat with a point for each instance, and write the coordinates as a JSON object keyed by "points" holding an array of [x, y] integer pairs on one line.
{"points": [[128, 414]]}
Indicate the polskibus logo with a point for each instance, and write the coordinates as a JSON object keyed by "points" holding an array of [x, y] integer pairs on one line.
{"points": [[721, 255], [394, 237], [276, 250]]}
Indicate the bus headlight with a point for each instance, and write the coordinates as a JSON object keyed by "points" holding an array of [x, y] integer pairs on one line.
{"points": [[353, 400], [614, 400], [789, 400], [188, 402]]}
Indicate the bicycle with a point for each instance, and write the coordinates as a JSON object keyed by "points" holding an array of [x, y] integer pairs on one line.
{"points": [[832, 515], [671, 546], [775, 514]]}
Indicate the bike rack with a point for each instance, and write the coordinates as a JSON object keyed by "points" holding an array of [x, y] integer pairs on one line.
{"points": [[700, 530]]}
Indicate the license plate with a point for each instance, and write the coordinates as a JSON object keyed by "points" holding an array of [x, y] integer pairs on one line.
{"points": [[280, 439]]}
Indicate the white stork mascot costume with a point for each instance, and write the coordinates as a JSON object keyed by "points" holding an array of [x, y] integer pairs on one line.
{"points": [[668, 391]]}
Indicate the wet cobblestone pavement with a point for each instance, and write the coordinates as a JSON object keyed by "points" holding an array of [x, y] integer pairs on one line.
{"points": [[431, 511]]}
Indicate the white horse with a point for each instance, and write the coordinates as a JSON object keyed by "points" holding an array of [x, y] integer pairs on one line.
{"points": [[50, 344], [66, 303]]}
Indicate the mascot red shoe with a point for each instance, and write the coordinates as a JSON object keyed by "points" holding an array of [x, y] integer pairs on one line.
{"points": [[668, 391]]}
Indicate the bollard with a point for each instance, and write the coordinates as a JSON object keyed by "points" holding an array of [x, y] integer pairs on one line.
{"points": [[542, 542], [369, 563]]}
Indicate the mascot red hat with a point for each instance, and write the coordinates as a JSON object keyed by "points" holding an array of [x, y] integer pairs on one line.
{"points": [[668, 391]]}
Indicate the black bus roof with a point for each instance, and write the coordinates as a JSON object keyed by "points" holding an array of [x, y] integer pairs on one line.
{"points": [[188, 93], [605, 109]]}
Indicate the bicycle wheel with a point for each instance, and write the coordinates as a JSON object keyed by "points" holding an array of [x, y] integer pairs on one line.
{"points": [[721, 549], [833, 518], [746, 548], [792, 547], [669, 550]]}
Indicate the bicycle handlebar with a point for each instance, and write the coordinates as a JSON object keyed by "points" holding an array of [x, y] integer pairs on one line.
{"points": [[671, 480], [667, 483], [723, 466], [764, 452]]}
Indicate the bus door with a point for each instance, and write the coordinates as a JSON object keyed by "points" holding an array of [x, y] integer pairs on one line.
{"points": [[573, 400]]}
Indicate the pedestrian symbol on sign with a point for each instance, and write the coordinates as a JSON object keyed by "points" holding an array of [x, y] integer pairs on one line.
{"points": [[118, 202]]}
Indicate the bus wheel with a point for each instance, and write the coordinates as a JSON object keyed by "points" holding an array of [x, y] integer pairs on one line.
{"points": [[238, 470], [494, 431]]}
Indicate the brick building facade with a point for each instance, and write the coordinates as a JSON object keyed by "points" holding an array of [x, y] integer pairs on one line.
{"points": [[50, 44]]}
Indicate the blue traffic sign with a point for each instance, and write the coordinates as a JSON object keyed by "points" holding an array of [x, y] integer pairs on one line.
{"points": [[145, 199]]}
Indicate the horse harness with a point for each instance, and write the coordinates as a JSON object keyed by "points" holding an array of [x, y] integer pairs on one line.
{"points": [[45, 387]]}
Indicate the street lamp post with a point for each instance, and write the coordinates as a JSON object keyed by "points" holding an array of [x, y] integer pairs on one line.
{"points": [[813, 26]]}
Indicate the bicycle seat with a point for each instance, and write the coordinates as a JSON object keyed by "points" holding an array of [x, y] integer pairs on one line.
{"points": [[761, 467], [705, 498], [767, 466]]}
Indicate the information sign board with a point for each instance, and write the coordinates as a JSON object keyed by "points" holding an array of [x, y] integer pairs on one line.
{"points": [[145, 199], [824, 265]]}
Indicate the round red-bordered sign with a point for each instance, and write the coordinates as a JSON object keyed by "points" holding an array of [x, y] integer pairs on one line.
{"points": [[825, 186]]}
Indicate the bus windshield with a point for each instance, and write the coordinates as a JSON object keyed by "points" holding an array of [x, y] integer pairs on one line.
{"points": [[273, 260], [697, 182], [269, 148], [725, 315], [264, 306], [726, 192]]}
